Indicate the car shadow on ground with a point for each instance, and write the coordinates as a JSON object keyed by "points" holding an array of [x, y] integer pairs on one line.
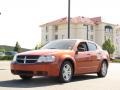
{"points": [[41, 81]]}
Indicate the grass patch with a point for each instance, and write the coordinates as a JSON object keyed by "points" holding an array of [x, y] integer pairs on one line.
{"points": [[116, 60], [6, 58]]}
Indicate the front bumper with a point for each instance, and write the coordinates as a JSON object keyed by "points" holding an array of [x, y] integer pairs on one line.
{"points": [[38, 69]]}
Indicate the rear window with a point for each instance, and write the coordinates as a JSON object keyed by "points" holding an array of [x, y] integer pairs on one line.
{"points": [[91, 46]]}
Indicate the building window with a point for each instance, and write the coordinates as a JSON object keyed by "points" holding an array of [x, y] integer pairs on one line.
{"points": [[108, 29], [91, 27], [46, 37], [56, 28], [56, 37], [46, 28], [63, 36], [86, 27], [91, 37]]}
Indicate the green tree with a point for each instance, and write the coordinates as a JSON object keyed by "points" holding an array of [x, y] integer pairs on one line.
{"points": [[109, 46], [2, 50], [17, 47], [38, 46]]}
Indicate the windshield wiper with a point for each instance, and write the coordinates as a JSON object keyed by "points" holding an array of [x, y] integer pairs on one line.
{"points": [[52, 48]]}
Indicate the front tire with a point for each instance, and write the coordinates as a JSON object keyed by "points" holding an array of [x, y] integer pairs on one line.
{"points": [[24, 77], [66, 72], [103, 70]]}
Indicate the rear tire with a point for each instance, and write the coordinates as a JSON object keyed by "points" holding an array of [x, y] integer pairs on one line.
{"points": [[24, 77], [103, 70], [66, 72]]}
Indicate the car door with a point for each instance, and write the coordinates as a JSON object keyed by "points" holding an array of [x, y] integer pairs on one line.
{"points": [[94, 56], [83, 58]]}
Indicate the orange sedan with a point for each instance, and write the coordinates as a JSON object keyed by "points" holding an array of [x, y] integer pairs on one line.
{"points": [[63, 59]]}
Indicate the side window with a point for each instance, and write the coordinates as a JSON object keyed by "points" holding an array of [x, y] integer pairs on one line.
{"points": [[91, 46], [82, 47]]}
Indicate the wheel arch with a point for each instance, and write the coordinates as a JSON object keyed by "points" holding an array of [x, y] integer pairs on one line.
{"points": [[105, 60], [100, 72], [71, 61]]}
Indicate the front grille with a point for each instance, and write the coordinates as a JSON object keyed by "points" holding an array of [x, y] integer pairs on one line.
{"points": [[27, 59]]}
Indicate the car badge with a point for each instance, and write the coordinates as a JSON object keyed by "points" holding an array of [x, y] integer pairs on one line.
{"points": [[25, 60]]}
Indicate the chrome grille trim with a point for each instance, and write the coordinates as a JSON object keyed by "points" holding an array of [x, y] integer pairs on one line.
{"points": [[27, 59]]}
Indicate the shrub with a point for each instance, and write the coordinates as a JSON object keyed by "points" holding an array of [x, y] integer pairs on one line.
{"points": [[116, 60], [109, 46], [6, 57]]}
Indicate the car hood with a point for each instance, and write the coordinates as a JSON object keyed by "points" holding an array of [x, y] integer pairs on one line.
{"points": [[45, 52]]}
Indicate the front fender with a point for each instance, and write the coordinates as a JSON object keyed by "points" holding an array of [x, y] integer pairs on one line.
{"points": [[67, 58]]}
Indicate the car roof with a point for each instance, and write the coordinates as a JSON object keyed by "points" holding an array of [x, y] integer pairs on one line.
{"points": [[79, 40]]}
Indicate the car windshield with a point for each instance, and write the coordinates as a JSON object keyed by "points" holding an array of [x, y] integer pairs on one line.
{"points": [[60, 44]]}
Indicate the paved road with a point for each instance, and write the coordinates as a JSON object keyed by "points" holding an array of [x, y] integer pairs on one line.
{"points": [[84, 82]]}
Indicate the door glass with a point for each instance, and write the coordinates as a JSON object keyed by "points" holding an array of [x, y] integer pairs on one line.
{"points": [[91, 46], [82, 47]]}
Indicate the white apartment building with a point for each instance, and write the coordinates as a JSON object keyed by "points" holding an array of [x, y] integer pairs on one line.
{"points": [[82, 28]]}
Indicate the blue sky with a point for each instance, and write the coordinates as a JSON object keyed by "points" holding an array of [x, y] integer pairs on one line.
{"points": [[20, 19]]}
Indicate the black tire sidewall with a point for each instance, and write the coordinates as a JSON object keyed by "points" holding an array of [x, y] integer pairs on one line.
{"points": [[100, 74], [106, 68], [24, 77]]}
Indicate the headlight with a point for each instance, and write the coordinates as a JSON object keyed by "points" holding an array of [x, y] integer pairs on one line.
{"points": [[46, 59], [14, 58]]}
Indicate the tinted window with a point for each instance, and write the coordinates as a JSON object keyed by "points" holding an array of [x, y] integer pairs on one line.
{"points": [[91, 46], [60, 44]]}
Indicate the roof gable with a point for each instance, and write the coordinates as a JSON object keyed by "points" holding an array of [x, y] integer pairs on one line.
{"points": [[75, 20]]}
